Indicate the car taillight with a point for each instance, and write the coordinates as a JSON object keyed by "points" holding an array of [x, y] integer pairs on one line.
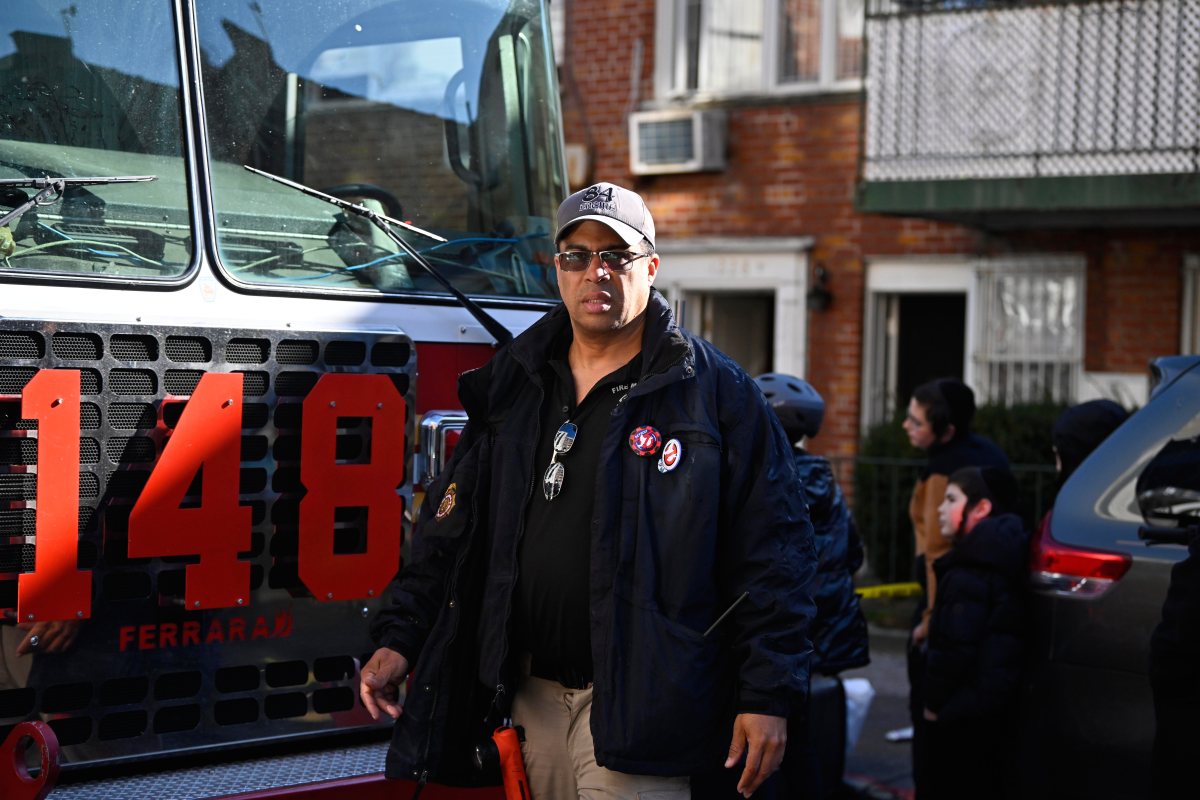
{"points": [[1070, 571]]}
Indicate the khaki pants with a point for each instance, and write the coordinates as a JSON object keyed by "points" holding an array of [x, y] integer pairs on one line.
{"points": [[14, 669], [560, 759]]}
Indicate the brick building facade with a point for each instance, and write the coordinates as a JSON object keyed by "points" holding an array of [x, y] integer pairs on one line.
{"points": [[912, 296]]}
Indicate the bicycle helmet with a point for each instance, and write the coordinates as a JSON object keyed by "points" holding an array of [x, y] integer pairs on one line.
{"points": [[797, 404]]}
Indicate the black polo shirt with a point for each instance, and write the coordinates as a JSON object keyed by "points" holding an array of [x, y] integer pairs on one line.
{"points": [[551, 608]]}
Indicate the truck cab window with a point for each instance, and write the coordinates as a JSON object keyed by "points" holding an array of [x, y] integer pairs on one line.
{"points": [[85, 94], [420, 109]]}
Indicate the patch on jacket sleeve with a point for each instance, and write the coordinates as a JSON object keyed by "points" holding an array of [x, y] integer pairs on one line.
{"points": [[447, 504]]}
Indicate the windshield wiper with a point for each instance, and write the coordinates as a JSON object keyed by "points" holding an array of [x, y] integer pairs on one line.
{"points": [[493, 326], [51, 190]]}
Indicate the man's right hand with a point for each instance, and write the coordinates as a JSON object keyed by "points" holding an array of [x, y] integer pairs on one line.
{"points": [[380, 681], [920, 633]]}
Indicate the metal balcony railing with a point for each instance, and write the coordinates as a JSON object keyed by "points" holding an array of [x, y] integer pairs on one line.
{"points": [[985, 89]]}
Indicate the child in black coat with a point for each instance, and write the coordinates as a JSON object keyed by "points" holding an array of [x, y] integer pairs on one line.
{"points": [[976, 637]]}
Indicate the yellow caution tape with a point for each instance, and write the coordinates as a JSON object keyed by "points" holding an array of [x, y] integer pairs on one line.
{"points": [[889, 590]]}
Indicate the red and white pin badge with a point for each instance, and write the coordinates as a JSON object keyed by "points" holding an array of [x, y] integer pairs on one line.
{"points": [[645, 440], [671, 456]]}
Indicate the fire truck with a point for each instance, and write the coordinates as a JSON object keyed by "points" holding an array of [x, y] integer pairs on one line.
{"points": [[246, 249]]}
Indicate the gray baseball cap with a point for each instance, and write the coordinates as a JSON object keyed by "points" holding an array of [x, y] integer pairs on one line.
{"points": [[618, 208]]}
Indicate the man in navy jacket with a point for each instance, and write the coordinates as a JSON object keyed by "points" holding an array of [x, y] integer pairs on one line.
{"points": [[617, 556]]}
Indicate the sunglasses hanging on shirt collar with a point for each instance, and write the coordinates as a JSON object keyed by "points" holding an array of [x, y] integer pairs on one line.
{"points": [[552, 480]]}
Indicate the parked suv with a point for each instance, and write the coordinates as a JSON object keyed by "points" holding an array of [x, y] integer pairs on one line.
{"points": [[1099, 586]]}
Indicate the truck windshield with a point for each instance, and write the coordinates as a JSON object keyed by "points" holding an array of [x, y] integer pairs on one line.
{"points": [[440, 113], [83, 92]]}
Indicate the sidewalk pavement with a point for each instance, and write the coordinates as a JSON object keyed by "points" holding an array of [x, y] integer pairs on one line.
{"points": [[878, 769]]}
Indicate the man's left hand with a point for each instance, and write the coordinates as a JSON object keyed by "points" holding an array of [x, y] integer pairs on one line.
{"points": [[762, 739], [55, 636]]}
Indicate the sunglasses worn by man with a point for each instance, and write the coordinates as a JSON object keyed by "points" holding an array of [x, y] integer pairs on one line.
{"points": [[611, 260]]}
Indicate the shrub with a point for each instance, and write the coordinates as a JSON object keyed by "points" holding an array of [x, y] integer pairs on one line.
{"points": [[887, 468]]}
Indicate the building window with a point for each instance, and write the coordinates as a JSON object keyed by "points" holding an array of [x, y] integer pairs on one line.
{"points": [[732, 47], [1030, 334]]}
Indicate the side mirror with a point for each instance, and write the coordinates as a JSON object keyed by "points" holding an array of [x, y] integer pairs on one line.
{"points": [[1169, 506]]}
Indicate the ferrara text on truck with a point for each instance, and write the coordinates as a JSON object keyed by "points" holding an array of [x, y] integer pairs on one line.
{"points": [[246, 249]]}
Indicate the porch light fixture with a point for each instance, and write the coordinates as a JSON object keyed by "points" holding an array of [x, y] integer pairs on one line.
{"points": [[819, 298]]}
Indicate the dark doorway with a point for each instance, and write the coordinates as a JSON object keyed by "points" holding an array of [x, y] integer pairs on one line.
{"points": [[932, 340]]}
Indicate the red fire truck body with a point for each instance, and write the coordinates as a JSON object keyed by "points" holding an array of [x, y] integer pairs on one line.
{"points": [[220, 395]]}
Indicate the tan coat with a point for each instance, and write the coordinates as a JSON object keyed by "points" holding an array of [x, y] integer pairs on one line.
{"points": [[926, 497]]}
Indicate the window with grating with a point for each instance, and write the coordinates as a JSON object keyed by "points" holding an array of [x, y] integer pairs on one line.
{"points": [[21, 344], [1030, 329], [296, 351], [77, 346], [133, 347], [189, 349], [89, 485]]}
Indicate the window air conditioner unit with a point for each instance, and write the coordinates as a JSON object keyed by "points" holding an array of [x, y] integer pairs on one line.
{"points": [[681, 140]]}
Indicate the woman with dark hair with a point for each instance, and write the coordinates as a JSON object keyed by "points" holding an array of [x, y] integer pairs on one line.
{"points": [[976, 638], [939, 422]]}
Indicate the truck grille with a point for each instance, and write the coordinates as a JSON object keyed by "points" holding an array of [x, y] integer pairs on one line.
{"points": [[292, 671]]}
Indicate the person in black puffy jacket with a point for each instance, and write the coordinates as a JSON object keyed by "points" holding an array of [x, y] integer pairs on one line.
{"points": [[976, 638], [839, 629]]}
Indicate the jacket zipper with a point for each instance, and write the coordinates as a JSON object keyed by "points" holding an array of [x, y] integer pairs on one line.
{"points": [[537, 433]]}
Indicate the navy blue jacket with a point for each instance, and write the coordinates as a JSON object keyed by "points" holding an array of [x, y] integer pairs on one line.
{"points": [[977, 632], [671, 551], [839, 631]]}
